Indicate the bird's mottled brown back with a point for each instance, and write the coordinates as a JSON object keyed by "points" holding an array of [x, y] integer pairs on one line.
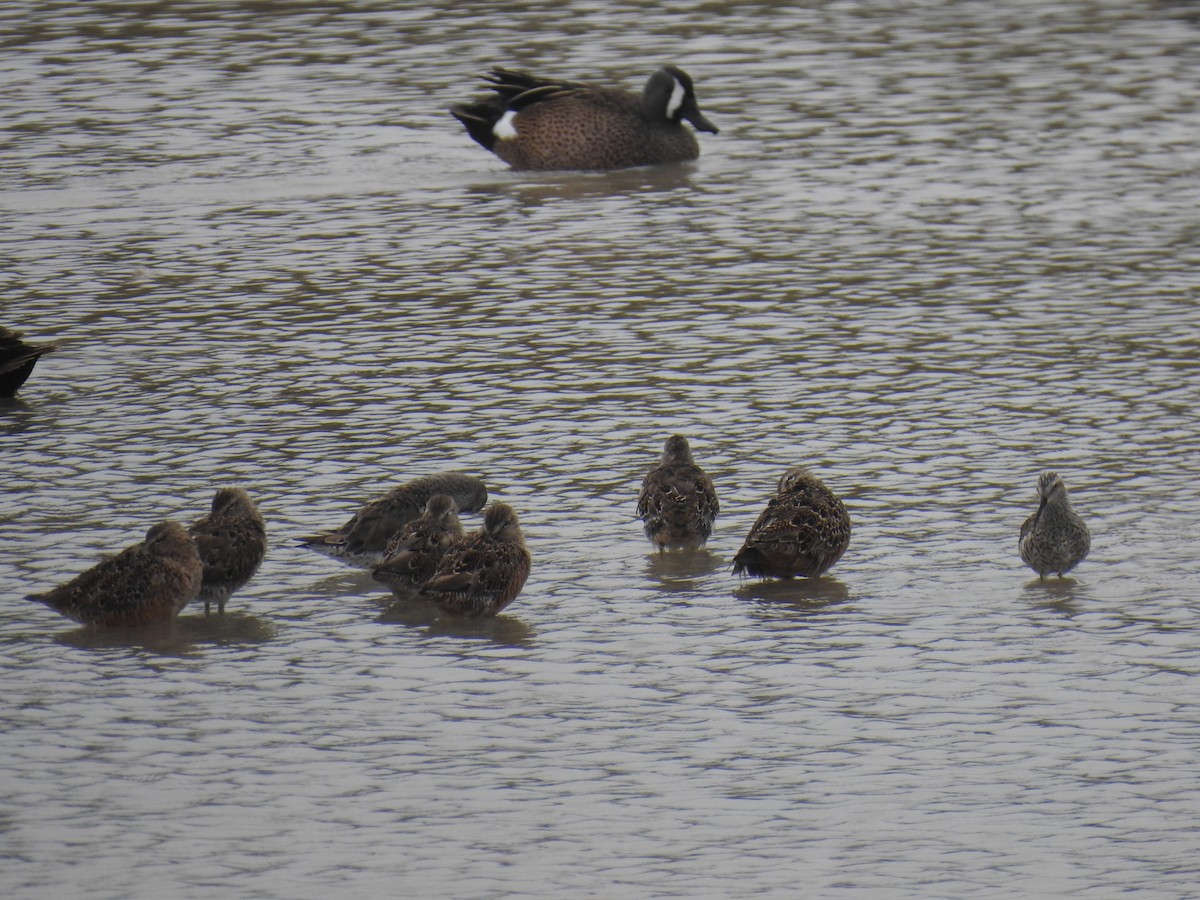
{"points": [[414, 553], [484, 572], [1054, 539], [147, 583], [232, 541], [803, 531], [365, 537], [677, 502]]}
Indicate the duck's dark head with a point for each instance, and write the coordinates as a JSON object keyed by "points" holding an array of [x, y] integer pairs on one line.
{"points": [[670, 93]]}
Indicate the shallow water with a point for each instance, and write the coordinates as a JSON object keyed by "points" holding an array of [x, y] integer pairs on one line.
{"points": [[933, 252]]}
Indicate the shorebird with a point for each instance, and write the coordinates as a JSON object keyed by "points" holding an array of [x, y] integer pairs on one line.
{"points": [[1053, 539], [363, 540], [147, 583], [484, 572], [803, 531], [540, 123], [414, 553], [232, 540], [678, 502]]}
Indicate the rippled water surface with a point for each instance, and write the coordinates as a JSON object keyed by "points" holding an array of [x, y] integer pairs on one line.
{"points": [[935, 250]]}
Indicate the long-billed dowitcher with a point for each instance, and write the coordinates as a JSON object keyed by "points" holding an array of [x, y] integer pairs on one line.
{"points": [[484, 572], [145, 584], [538, 123], [17, 360], [804, 530], [414, 553], [232, 540], [363, 540], [678, 502], [1053, 539]]}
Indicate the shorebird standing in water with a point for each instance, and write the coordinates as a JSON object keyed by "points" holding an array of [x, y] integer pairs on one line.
{"points": [[484, 572], [145, 584], [232, 540], [803, 531], [413, 554], [678, 502], [1054, 539], [363, 540]]}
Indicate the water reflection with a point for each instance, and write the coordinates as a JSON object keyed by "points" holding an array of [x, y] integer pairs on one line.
{"points": [[505, 630], [160, 641], [230, 627], [183, 637], [346, 582], [682, 569], [575, 186], [1058, 594], [413, 612], [802, 593], [10, 410]]}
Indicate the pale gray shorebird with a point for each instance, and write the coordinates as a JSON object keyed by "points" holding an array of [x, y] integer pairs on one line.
{"points": [[804, 530], [485, 571], [363, 540], [678, 502], [17, 360], [540, 123], [1053, 539], [414, 553], [148, 583], [232, 540]]}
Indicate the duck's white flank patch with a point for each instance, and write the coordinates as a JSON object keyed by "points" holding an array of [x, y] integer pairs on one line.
{"points": [[504, 128], [676, 101]]}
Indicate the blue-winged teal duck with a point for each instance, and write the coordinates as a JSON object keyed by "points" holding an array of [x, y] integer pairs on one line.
{"points": [[363, 540], [17, 360], [232, 540], [678, 502], [484, 572], [414, 553], [142, 585], [803, 531], [537, 123], [1054, 539]]}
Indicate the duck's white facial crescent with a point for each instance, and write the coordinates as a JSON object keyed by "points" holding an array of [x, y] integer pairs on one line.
{"points": [[677, 94], [504, 128]]}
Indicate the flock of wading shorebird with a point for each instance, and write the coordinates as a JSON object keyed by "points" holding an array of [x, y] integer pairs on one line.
{"points": [[413, 542], [411, 538]]}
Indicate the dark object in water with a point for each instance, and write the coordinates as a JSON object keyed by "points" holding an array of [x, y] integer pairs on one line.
{"points": [[17, 360]]}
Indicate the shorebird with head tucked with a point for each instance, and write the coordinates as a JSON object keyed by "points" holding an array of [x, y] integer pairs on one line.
{"points": [[804, 530], [484, 572], [1053, 539], [678, 502], [414, 553], [539, 123], [363, 540], [232, 540], [145, 584]]}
